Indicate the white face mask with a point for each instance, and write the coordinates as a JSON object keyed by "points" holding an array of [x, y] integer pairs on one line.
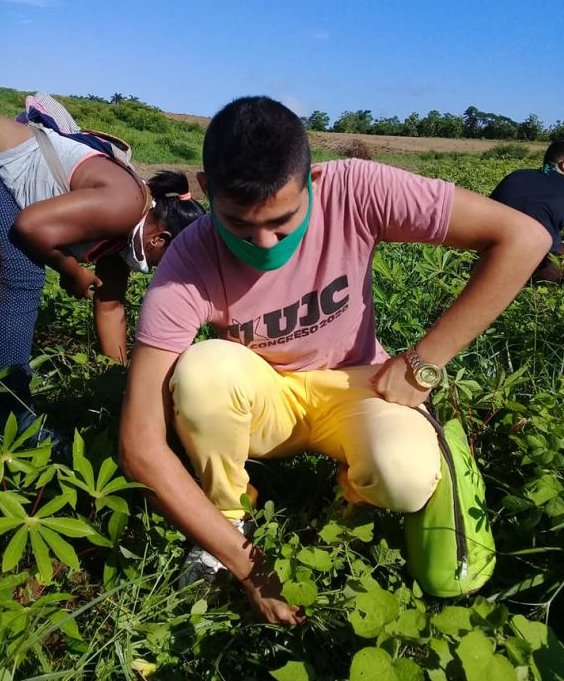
{"points": [[135, 254]]}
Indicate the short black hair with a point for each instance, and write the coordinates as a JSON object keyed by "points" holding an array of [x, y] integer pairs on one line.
{"points": [[253, 147], [555, 152], [173, 212]]}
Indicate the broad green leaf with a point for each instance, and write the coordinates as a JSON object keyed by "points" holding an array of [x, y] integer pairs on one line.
{"points": [[331, 532], [453, 620], [107, 469], [443, 656], [548, 651], [116, 503], [373, 610], [283, 568], [66, 623], [294, 671], [15, 549], [268, 510], [245, 502], [363, 532], [407, 670], [70, 527], [372, 664], [535, 633], [19, 466], [199, 608], [518, 650], [515, 504], [488, 613], [300, 593], [555, 507], [410, 624], [10, 582], [479, 662], [117, 525], [143, 668], [10, 506], [384, 555], [45, 477], [41, 555], [84, 467], [61, 548], [110, 573], [315, 558], [544, 489]]}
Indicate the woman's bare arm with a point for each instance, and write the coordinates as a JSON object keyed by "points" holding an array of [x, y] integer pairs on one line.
{"points": [[109, 307]]}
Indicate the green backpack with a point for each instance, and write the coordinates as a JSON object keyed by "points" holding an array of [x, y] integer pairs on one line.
{"points": [[450, 547]]}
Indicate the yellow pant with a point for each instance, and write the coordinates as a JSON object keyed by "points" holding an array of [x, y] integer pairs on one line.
{"points": [[229, 405]]}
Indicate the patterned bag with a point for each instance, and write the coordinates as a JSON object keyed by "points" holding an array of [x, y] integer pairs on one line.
{"points": [[43, 112]]}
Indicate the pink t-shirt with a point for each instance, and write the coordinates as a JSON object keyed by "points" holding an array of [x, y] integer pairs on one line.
{"points": [[316, 311]]}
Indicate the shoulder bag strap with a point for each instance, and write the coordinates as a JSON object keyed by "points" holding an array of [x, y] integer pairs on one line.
{"points": [[51, 158]]}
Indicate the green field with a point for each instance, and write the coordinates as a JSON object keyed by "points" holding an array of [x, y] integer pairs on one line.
{"points": [[87, 577]]}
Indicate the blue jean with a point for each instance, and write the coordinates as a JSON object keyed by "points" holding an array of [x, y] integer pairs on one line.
{"points": [[21, 282]]}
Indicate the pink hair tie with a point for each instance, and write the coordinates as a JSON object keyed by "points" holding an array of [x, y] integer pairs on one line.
{"points": [[185, 197]]}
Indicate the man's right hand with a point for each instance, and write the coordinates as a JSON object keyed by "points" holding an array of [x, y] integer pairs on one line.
{"points": [[264, 593]]}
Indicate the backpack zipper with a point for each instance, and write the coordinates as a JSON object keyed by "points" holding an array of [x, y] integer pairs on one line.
{"points": [[460, 535]]}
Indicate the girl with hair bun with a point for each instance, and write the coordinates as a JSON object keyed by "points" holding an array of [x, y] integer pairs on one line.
{"points": [[110, 219]]}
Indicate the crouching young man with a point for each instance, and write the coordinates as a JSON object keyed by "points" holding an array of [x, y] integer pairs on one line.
{"points": [[282, 270]]}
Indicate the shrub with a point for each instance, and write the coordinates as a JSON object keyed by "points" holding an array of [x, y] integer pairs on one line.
{"points": [[507, 152], [356, 148]]}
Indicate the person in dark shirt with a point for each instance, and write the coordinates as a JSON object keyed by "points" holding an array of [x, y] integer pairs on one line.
{"points": [[540, 194]]}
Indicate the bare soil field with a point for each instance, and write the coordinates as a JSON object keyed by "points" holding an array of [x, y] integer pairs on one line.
{"points": [[338, 142]]}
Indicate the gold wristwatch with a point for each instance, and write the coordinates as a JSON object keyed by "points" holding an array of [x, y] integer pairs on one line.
{"points": [[426, 375]]}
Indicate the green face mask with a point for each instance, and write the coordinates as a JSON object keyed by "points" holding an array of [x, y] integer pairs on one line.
{"points": [[265, 258]]}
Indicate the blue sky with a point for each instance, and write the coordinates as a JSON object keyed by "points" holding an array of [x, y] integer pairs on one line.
{"points": [[393, 58]]}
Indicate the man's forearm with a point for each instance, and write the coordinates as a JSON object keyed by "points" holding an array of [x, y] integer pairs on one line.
{"points": [[180, 499]]}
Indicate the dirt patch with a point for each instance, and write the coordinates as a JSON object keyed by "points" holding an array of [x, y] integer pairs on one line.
{"points": [[147, 170], [188, 118], [381, 145]]}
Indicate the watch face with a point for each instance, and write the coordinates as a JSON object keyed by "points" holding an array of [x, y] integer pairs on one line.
{"points": [[428, 376]]}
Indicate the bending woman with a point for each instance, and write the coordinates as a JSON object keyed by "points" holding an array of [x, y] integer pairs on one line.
{"points": [[110, 219]]}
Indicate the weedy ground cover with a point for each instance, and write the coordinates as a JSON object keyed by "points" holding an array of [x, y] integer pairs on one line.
{"points": [[87, 579]]}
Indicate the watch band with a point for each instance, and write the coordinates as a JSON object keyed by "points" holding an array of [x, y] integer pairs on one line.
{"points": [[426, 374]]}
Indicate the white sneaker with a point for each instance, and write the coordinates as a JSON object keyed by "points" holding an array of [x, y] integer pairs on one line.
{"points": [[200, 564]]}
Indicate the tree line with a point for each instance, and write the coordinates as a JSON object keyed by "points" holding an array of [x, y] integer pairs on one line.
{"points": [[472, 124]]}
